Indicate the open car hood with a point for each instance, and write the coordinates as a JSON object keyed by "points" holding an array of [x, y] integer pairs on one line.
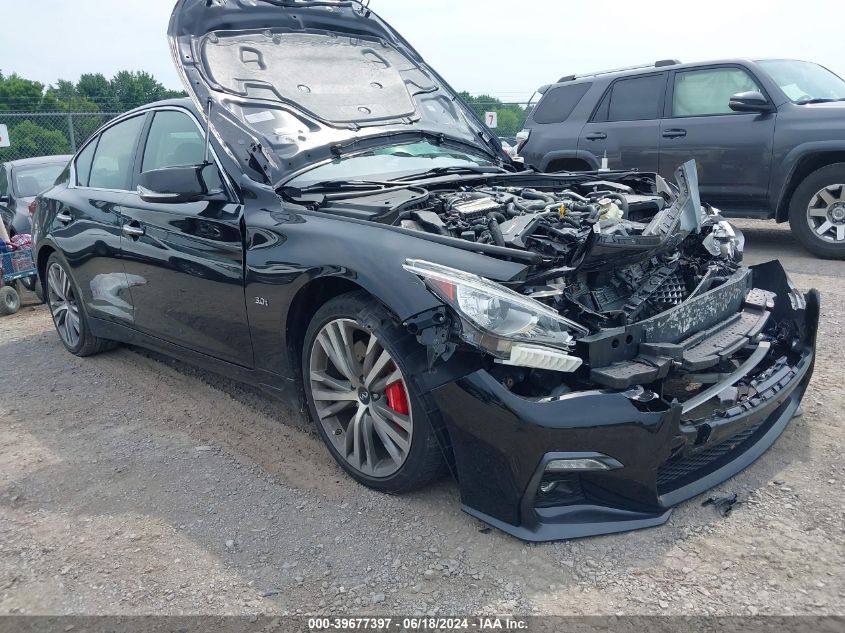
{"points": [[291, 83]]}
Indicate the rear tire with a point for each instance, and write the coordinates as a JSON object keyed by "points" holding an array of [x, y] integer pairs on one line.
{"points": [[359, 409], [817, 212], [68, 311], [10, 301]]}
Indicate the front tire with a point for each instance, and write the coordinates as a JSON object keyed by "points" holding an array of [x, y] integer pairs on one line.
{"points": [[817, 212], [68, 311], [371, 419]]}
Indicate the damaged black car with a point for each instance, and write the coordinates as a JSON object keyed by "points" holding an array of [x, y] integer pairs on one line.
{"points": [[327, 220]]}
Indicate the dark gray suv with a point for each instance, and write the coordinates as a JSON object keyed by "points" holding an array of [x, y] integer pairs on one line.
{"points": [[768, 136]]}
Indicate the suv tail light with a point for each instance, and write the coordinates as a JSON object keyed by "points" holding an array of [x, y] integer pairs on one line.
{"points": [[521, 140], [32, 206]]}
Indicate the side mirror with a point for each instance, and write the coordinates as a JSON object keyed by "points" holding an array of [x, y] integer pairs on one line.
{"points": [[174, 185], [753, 101]]}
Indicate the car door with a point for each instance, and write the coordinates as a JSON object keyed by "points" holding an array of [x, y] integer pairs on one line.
{"points": [[188, 258], [732, 150], [625, 126], [87, 226]]}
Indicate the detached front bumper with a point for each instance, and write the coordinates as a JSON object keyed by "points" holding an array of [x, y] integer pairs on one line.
{"points": [[502, 443]]}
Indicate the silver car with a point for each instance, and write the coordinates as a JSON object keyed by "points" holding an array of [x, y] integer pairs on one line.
{"points": [[22, 180]]}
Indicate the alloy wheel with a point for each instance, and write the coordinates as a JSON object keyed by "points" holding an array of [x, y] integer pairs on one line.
{"points": [[63, 305], [361, 398], [826, 213]]}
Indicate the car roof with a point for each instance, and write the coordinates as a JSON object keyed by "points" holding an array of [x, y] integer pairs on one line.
{"points": [[183, 102], [39, 160], [610, 75]]}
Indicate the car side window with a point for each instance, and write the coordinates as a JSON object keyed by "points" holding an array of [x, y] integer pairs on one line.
{"points": [[83, 163], [175, 140], [559, 103], [707, 92], [4, 181], [635, 99], [115, 154]]}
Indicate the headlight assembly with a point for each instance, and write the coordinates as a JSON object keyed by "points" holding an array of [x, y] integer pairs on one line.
{"points": [[511, 327]]}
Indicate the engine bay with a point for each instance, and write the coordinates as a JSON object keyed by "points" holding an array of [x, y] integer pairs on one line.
{"points": [[613, 251]]}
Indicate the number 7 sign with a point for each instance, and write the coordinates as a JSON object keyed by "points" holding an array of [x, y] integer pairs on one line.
{"points": [[492, 119]]}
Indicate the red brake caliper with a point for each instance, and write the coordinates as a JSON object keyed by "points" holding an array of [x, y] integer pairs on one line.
{"points": [[397, 399]]}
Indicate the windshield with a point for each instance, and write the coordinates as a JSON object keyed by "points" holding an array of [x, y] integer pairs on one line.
{"points": [[30, 181], [803, 82], [391, 163]]}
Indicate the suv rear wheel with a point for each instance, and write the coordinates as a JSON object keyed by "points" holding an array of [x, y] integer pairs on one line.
{"points": [[817, 212], [369, 416]]}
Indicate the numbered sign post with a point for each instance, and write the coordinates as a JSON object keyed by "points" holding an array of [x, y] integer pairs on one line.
{"points": [[492, 119], [4, 136]]}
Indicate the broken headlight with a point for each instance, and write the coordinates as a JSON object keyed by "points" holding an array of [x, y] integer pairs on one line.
{"points": [[513, 328]]}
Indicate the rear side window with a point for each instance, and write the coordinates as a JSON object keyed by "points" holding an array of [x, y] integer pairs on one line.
{"points": [[559, 103], [83, 164], [706, 92], [115, 155], [634, 99]]}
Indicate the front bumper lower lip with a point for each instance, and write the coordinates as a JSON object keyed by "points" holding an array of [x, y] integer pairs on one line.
{"points": [[502, 445]]}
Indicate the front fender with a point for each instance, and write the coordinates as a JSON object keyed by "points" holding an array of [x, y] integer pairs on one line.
{"points": [[287, 250], [783, 174]]}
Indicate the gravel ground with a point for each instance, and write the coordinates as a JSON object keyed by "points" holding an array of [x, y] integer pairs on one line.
{"points": [[134, 485]]}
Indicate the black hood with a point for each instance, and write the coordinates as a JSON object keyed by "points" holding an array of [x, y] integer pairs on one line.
{"points": [[294, 83]]}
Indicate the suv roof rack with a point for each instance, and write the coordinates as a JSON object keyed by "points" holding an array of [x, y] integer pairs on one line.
{"points": [[660, 63]]}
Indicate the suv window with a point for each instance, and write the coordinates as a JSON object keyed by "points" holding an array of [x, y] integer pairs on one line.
{"points": [[4, 181], [83, 163], [559, 103], [705, 92], [113, 159], [634, 99], [176, 141]]}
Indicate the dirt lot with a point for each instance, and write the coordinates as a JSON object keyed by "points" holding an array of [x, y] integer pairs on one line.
{"points": [[130, 485]]}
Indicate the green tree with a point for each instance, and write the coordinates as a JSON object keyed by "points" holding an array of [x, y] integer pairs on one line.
{"points": [[133, 89], [19, 94], [97, 89]]}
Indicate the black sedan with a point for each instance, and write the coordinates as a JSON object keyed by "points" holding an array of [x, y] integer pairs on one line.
{"points": [[327, 220]]}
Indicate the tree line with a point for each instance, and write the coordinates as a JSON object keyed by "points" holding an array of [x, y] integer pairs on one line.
{"points": [[94, 95], [511, 115], [98, 98]]}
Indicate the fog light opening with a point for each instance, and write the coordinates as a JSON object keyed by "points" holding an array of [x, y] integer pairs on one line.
{"points": [[547, 486], [557, 489]]}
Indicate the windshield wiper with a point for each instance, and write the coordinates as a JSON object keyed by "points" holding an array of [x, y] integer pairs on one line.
{"points": [[338, 186], [446, 171], [819, 100]]}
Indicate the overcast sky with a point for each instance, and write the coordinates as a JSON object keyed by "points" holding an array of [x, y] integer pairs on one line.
{"points": [[501, 47]]}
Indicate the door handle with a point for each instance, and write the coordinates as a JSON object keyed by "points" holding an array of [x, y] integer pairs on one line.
{"points": [[674, 133], [596, 136], [133, 231], [64, 217]]}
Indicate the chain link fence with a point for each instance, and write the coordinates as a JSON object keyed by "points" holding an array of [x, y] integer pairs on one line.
{"points": [[32, 134]]}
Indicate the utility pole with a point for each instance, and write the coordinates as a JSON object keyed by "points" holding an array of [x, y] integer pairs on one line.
{"points": [[71, 134]]}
